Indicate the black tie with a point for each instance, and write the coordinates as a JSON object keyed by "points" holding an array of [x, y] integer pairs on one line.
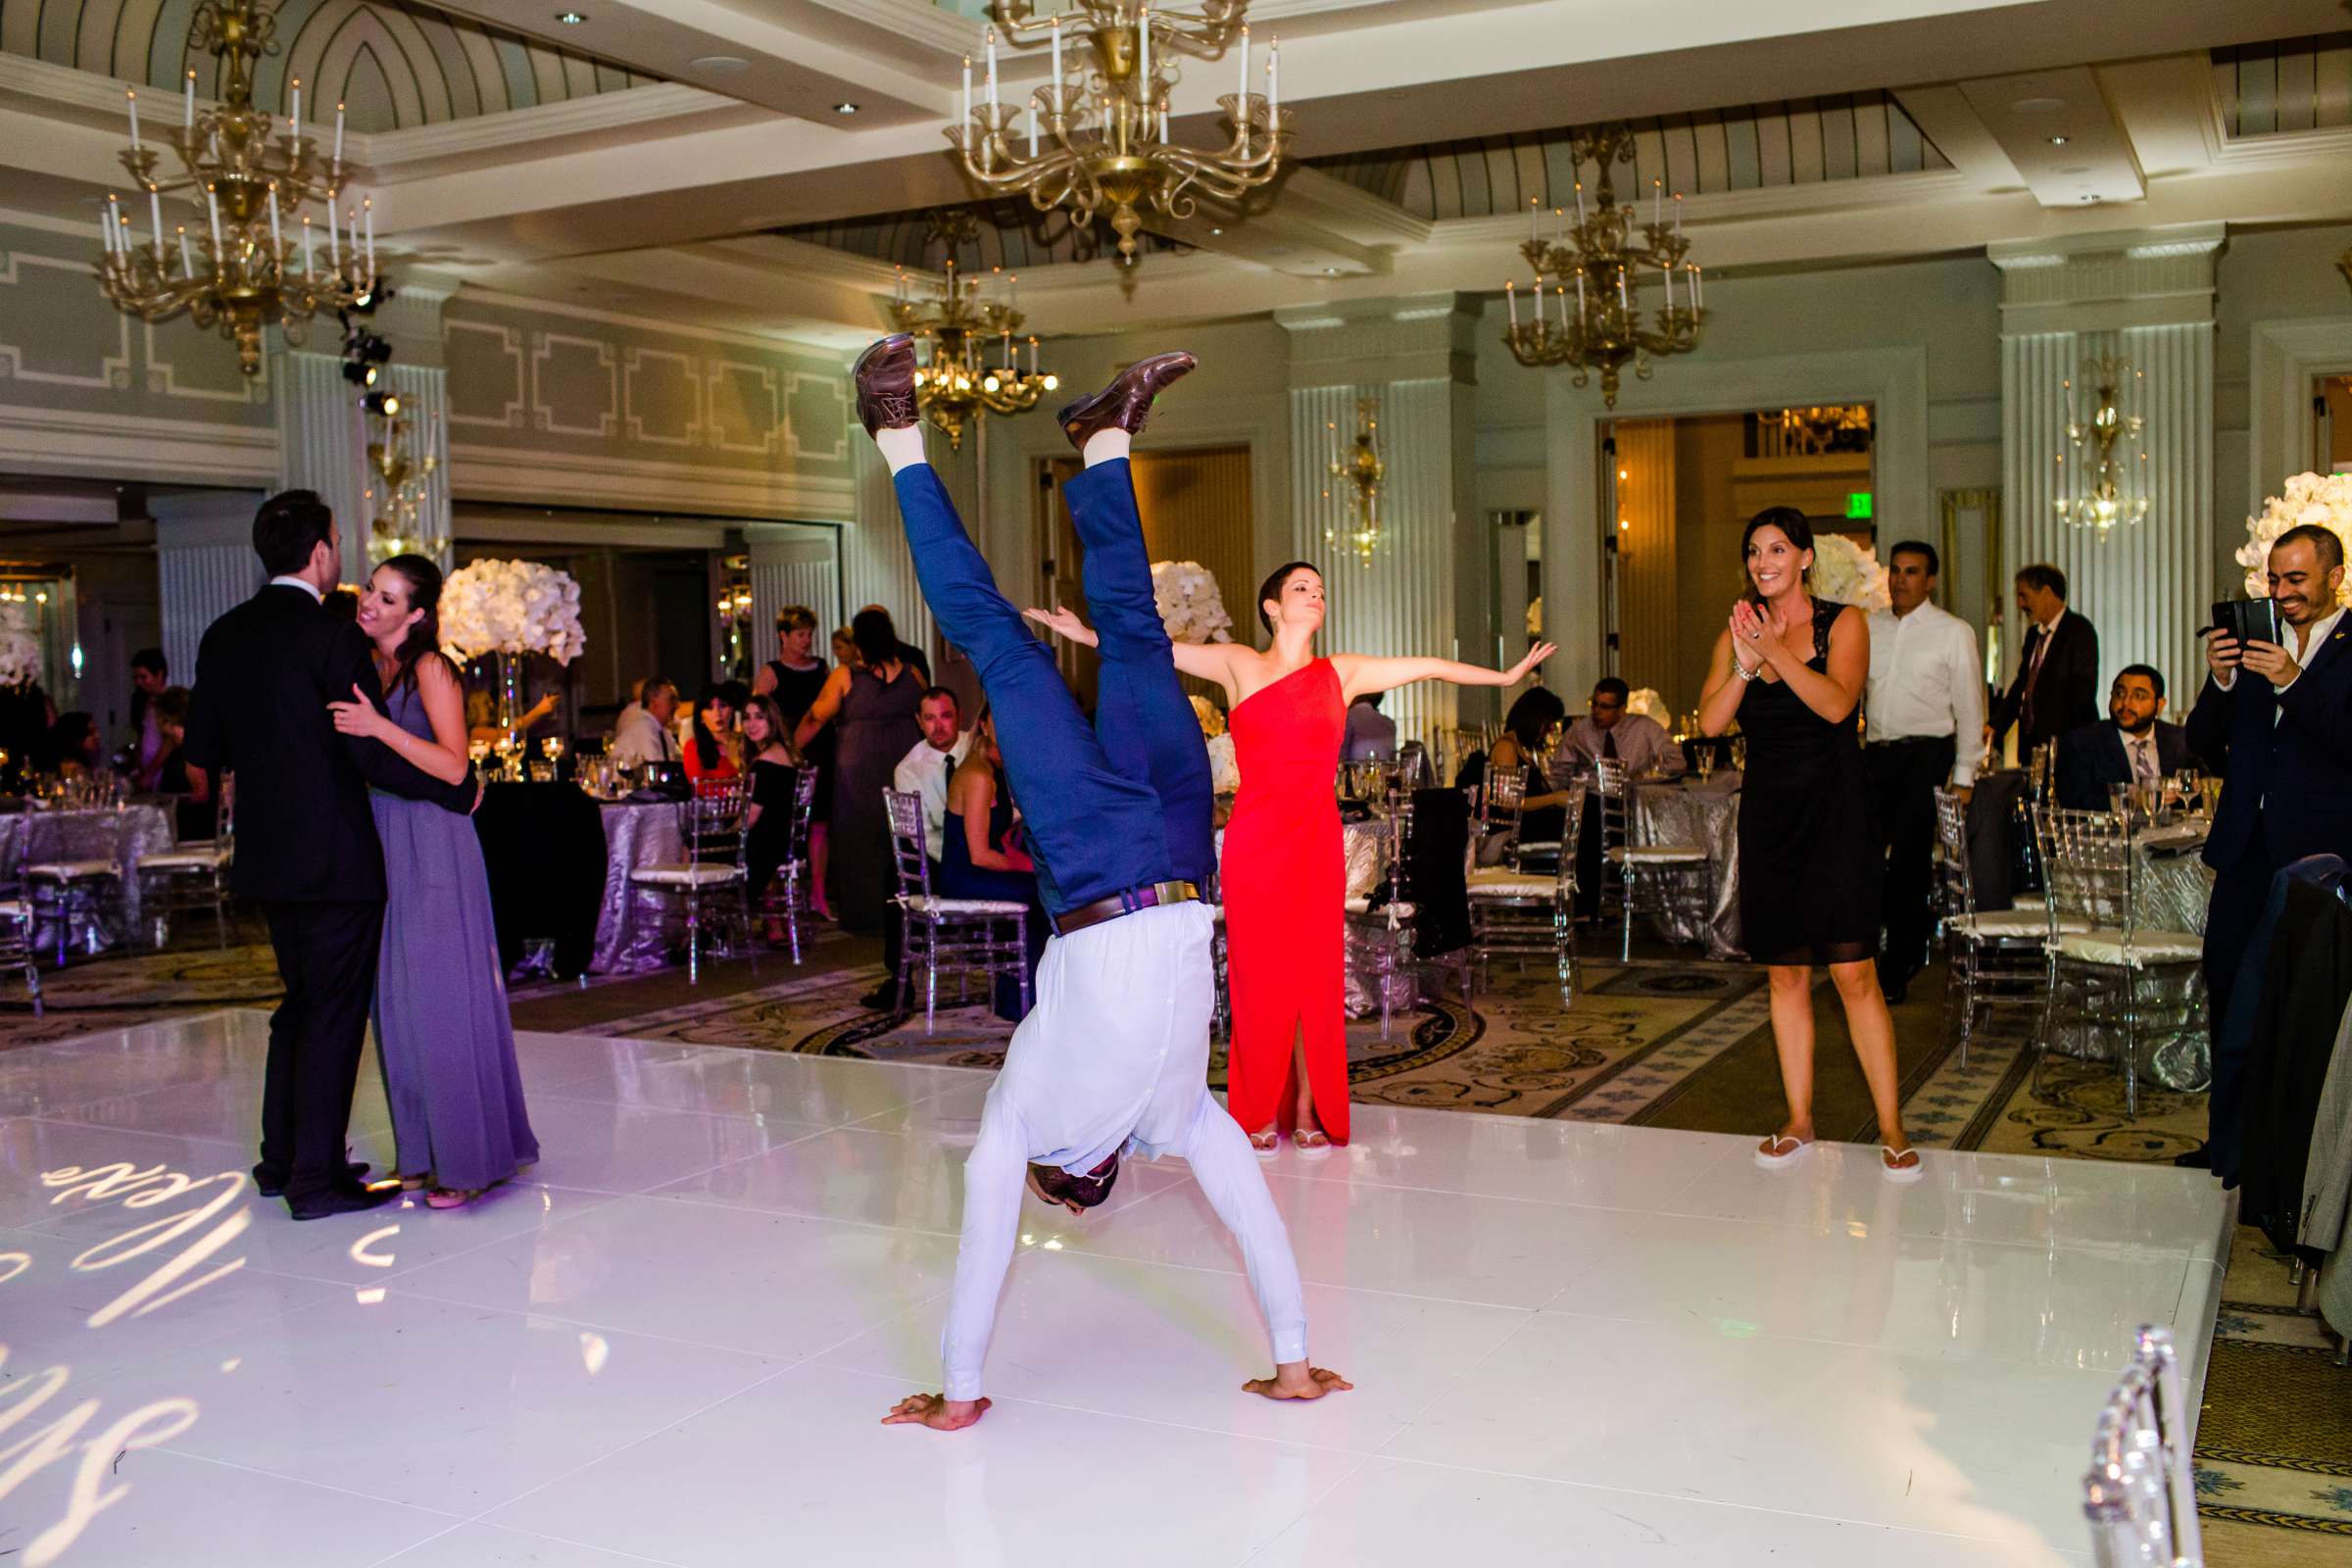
{"points": [[1608, 743]]}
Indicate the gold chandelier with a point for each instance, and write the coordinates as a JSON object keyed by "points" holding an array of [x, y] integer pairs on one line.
{"points": [[2096, 496], [1099, 138], [1818, 429], [240, 270], [397, 481], [1600, 265], [1362, 471], [970, 347]]}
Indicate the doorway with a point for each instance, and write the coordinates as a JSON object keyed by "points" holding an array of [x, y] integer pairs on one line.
{"points": [[1196, 507]]}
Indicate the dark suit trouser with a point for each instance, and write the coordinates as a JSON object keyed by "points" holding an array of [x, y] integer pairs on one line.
{"points": [[2239, 895], [327, 956], [1905, 777]]}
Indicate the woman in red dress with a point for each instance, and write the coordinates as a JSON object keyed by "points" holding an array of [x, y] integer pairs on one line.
{"points": [[1282, 868]]}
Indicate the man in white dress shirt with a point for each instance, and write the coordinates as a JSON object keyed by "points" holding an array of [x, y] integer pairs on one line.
{"points": [[644, 733], [924, 769], [1925, 711]]}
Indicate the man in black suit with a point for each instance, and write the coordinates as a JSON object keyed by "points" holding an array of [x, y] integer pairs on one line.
{"points": [[2057, 684], [2133, 747], [2278, 720], [309, 854]]}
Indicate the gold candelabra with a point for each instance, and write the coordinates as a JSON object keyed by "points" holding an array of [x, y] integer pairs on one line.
{"points": [[398, 480], [957, 331], [2097, 498], [1602, 265], [1361, 470], [1099, 137], [238, 270]]}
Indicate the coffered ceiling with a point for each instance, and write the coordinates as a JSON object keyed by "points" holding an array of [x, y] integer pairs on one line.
{"points": [[767, 164]]}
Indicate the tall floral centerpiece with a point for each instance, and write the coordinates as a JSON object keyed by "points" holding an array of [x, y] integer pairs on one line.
{"points": [[1847, 572], [1189, 606], [2323, 499], [510, 609], [20, 648]]}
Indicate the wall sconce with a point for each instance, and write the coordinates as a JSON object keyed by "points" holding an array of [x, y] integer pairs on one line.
{"points": [[1361, 469]]}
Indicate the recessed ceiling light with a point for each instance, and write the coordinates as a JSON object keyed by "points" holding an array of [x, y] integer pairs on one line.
{"points": [[2038, 106], [2060, 141], [845, 109], [719, 64], [1215, 230], [1333, 271], [571, 19]]}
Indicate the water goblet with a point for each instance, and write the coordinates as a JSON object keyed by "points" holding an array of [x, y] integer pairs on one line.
{"points": [[1705, 758]]}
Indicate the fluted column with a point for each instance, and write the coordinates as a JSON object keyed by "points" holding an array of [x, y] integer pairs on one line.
{"points": [[2148, 299], [204, 565], [791, 563], [1413, 598]]}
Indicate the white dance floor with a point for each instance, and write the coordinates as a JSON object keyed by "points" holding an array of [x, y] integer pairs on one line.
{"points": [[1571, 1344]]}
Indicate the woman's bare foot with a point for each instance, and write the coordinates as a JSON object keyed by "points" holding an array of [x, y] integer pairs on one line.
{"points": [[1296, 1380]]}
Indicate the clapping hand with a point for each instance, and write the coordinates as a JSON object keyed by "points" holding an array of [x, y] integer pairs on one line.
{"points": [[1534, 656], [1760, 632], [936, 1411], [358, 716], [1063, 622]]}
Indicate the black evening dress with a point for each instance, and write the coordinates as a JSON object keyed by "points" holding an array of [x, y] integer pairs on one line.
{"points": [[1810, 857], [874, 727], [772, 787], [796, 690]]}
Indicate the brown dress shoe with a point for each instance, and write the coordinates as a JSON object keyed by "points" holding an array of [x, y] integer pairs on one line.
{"points": [[1127, 401], [885, 379]]}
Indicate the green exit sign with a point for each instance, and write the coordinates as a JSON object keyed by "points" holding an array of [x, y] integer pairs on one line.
{"points": [[1857, 504]]}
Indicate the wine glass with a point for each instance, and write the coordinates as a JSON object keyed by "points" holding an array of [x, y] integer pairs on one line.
{"points": [[551, 747], [1706, 758]]}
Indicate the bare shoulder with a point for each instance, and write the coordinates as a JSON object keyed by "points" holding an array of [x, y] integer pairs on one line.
{"points": [[1852, 622], [436, 673]]}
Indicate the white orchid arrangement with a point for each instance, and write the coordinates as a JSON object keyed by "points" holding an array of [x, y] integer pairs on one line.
{"points": [[1848, 574], [2322, 498], [512, 606], [1189, 606], [20, 648], [1649, 705], [1224, 767]]}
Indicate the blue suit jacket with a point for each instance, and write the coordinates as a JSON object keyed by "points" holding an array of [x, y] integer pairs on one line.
{"points": [[2286, 758]]}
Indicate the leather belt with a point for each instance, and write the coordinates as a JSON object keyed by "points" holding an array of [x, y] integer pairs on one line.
{"points": [[1910, 740], [1156, 895]]}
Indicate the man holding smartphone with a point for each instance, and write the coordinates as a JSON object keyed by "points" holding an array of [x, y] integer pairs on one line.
{"points": [[2276, 717]]}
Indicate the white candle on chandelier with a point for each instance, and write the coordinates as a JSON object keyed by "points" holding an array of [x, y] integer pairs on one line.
{"points": [[1580, 297], [212, 202], [1241, 95], [277, 240], [132, 98], [188, 119], [1677, 215], [1579, 203], [1625, 297], [307, 267], [334, 242], [1033, 357], [991, 73], [1143, 53], [294, 122], [155, 216], [105, 228], [1698, 287], [367, 205], [358, 257], [1510, 295], [1562, 293], [1657, 203], [1273, 78], [967, 90], [187, 267], [1058, 65], [1535, 213], [1008, 351], [338, 136], [1035, 115], [1559, 226], [1669, 274]]}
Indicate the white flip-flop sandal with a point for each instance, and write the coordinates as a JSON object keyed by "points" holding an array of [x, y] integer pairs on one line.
{"points": [[1320, 1149], [1772, 1157], [1901, 1173], [1267, 1150]]}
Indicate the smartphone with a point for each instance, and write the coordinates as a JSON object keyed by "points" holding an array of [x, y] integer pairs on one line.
{"points": [[2250, 620]]}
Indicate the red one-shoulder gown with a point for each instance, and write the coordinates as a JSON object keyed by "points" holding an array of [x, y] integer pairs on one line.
{"points": [[1285, 881]]}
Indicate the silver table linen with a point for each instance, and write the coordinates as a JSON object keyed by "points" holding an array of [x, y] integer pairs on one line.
{"points": [[119, 834], [628, 940], [1366, 847], [1706, 815]]}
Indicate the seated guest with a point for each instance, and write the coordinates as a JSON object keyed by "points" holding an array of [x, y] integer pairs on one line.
{"points": [[925, 767], [197, 814], [710, 756], [1523, 730], [775, 769], [73, 745], [643, 734], [1609, 732], [2130, 748], [1371, 735], [482, 715], [980, 860]]}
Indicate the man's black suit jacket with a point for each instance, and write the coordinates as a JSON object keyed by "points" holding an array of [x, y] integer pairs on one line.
{"points": [[2066, 697], [2285, 758], [2092, 758], [265, 673]]}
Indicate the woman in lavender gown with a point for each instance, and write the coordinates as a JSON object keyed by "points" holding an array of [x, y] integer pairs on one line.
{"points": [[441, 1026]]}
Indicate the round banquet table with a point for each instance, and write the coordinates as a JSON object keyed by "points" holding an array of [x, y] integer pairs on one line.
{"points": [[119, 834], [1685, 810], [1365, 846], [543, 848]]}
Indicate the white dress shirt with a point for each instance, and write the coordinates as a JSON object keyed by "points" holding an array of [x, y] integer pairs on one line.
{"points": [[1641, 742], [1925, 683], [2141, 757], [303, 583], [924, 771], [641, 737], [1113, 1059]]}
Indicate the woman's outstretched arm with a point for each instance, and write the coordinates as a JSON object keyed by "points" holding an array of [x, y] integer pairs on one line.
{"points": [[1201, 660], [1362, 674]]}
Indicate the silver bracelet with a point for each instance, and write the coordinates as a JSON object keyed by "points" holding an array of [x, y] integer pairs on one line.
{"points": [[1745, 673]]}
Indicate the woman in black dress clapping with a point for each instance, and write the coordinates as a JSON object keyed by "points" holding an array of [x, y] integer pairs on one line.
{"points": [[1790, 669]]}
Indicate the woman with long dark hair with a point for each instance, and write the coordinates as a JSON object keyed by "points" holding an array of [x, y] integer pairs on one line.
{"points": [[441, 1027], [872, 710], [1284, 869], [713, 751], [1791, 668]]}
